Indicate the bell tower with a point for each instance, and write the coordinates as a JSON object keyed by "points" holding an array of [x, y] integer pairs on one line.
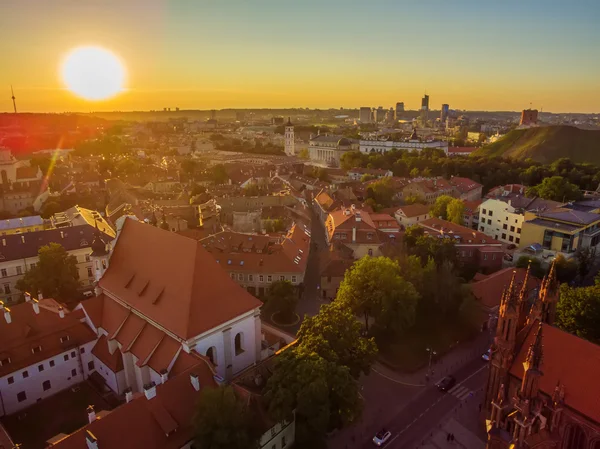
{"points": [[290, 149], [99, 256]]}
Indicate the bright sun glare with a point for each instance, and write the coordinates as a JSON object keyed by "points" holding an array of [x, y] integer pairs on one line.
{"points": [[93, 73]]}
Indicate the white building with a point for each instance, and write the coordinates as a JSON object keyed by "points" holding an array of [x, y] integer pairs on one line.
{"points": [[501, 220], [289, 139], [414, 143], [328, 149], [43, 349]]}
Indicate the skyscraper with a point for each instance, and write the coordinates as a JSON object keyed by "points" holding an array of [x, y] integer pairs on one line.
{"points": [[379, 114], [364, 115], [444, 113], [424, 108], [399, 109]]}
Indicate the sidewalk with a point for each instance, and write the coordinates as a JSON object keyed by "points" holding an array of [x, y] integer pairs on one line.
{"points": [[449, 363]]}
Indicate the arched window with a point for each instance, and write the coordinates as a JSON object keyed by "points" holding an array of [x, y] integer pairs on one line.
{"points": [[574, 438], [211, 353], [239, 343]]}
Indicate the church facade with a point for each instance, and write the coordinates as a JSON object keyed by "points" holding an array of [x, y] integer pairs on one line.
{"points": [[542, 390]]}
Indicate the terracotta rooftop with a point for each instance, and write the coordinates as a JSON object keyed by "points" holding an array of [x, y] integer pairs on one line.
{"points": [[461, 234], [28, 331], [570, 361], [414, 210], [163, 422], [172, 281], [464, 185], [489, 289]]}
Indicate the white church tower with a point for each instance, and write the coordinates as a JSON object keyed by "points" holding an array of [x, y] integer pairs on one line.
{"points": [[289, 138]]}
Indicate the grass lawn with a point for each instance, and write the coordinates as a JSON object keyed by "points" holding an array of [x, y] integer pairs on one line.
{"points": [[409, 352]]}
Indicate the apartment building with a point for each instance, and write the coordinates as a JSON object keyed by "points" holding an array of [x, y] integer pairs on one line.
{"points": [[255, 261]]}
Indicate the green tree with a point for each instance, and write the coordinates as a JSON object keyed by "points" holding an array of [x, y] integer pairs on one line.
{"points": [[578, 311], [374, 287], [282, 299], [381, 191], [555, 188], [566, 269], [366, 177], [55, 275], [50, 208], [188, 167], [219, 174], [536, 265], [304, 154], [198, 189], [223, 421], [414, 173], [335, 334], [323, 394], [440, 208], [455, 211], [586, 258]]}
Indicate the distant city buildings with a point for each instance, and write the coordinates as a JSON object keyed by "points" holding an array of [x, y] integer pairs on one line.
{"points": [[414, 143], [424, 108], [399, 109], [328, 149], [444, 113], [364, 115], [289, 146]]}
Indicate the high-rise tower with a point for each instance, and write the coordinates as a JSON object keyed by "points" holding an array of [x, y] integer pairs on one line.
{"points": [[290, 149], [12, 92]]}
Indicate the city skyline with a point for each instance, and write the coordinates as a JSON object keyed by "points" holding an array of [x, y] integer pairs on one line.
{"points": [[202, 55]]}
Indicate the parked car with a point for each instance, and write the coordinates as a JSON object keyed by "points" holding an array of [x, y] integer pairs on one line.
{"points": [[487, 355], [508, 257], [446, 383], [382, 437]]}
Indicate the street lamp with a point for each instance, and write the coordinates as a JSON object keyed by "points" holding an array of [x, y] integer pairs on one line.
{"points": [[431, 354]]}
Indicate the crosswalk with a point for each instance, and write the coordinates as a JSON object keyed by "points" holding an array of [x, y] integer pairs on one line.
{"points": [[460, 392]]}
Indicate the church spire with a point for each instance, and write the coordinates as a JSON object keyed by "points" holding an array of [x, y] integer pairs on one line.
{"points": [[535, 352], [549, 295], [532, 367]]}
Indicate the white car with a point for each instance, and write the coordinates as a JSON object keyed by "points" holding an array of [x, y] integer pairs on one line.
{"points": [[382, 437], [487, 355]]}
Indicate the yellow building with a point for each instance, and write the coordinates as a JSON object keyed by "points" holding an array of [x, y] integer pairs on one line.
{"points": [[22, 225], [565, 229]]}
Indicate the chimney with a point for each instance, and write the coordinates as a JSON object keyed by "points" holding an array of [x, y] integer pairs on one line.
{"points": [[357, 216], [128, 395], [61, 312], [90, 439], [36, 307], [27, 296], [150, 390], [354, 234], [510, 202], [40, 296], [164, 376], [91, 414], [195, 381], [7, 316]]}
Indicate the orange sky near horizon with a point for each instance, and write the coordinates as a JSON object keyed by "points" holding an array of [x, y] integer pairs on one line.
{"points": [[229, 54]]}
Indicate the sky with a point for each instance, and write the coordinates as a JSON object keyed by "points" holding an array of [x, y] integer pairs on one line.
{"points": [[215, 54]]}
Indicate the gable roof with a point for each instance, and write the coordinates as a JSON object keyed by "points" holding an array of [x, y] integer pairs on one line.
{"points": [[462, 234], [173, 281], [581, 390], [489, 289], [414, 210], [28, 330], [163, 422]]}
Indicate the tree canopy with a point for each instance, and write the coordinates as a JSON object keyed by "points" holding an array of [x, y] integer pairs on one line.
{"points": [[223, 421], [374, 287], [324, 395], [282, 299], [578, 311], [555, 188], [55, 275], [381, 192], [335, 334]]}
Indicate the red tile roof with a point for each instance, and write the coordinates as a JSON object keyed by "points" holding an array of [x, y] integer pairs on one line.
{"points": [[113, 361], [172, 281], [464, 185], [164, 422], [489, 289], [414, 210], [568, 360], [28, 330], [163, 355], [467, 236]]}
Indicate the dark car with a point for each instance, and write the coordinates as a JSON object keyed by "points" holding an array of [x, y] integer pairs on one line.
{"points": [[446, 383]]}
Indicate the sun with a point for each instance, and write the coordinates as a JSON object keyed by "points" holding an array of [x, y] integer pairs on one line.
{"points": [[93, 73]]}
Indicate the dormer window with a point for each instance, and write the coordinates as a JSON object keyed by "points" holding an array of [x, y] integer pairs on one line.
{"points": [[64, 339], [5, 361], [36, 349]]}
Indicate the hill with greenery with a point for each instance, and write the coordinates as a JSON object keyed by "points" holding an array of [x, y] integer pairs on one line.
{"points": [[547, 144]]}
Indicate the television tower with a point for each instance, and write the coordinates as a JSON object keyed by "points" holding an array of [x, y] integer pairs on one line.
{"points": [[13, 98]]}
